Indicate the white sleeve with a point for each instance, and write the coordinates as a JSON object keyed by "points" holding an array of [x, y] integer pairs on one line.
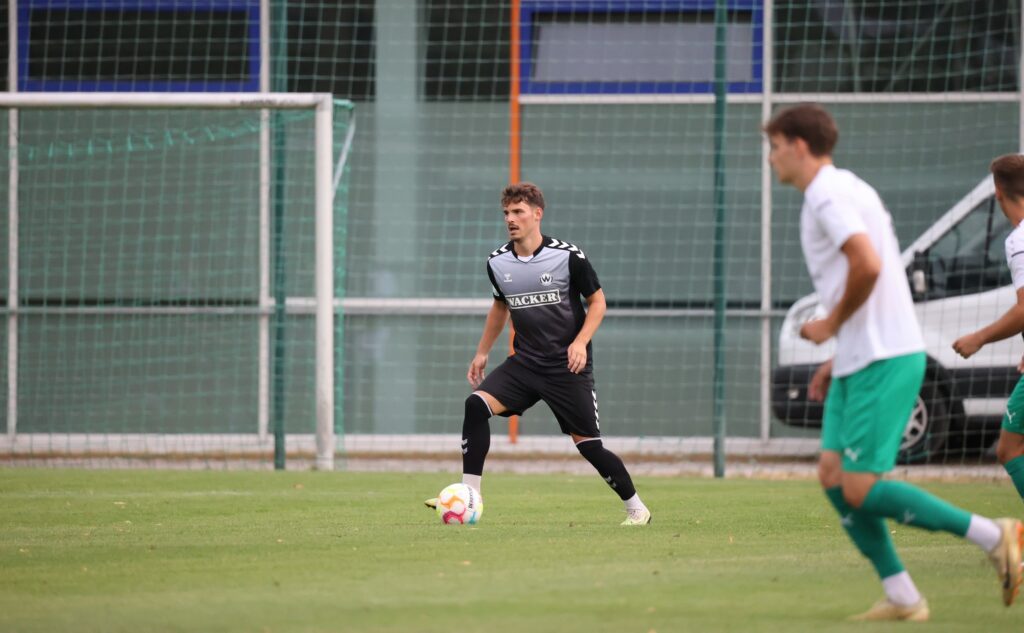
{"points": [[1015, 260], [838, 220]]}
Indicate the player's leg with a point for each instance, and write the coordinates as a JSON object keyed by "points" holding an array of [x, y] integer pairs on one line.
{"points": [[573, 400], [503, 392], [476, 438], [1001, 539], [614, 472], [476, 435], [879, 400], [1010, 450], [868, 532]]}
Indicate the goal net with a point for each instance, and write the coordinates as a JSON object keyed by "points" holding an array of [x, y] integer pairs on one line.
{"points": [[173, 265]]}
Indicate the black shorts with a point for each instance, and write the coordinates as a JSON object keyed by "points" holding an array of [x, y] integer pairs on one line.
{"points": [[570, 396]]}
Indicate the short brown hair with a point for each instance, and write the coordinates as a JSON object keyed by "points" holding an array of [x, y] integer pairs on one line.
{"points": [[1008, 173], [808, 121], [522, 192]]}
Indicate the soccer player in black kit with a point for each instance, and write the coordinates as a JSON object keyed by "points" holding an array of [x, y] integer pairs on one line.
{"points": [[539, 281]]}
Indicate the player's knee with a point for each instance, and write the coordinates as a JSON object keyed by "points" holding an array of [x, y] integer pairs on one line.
{"points": [[853, 496], [856, 491], [1007, 450], [1002, 452], [589, 446], [476, 408], [830, 472]]}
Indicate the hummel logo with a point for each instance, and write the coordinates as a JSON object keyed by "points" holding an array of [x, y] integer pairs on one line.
{"points": [[846, 520], [1010, 415], [465, 446], [854, 455], [508, 276], [908, 516], [610, 482], [464, 442]]}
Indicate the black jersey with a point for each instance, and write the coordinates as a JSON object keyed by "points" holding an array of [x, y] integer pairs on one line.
{"points": [[543, 295]]}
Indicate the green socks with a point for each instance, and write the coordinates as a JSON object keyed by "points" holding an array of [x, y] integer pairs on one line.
{"points": [[869, 533], [910, 505], [1015, 468]]}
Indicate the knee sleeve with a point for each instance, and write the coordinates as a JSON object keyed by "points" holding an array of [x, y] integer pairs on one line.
{"points": [[476, 435]]}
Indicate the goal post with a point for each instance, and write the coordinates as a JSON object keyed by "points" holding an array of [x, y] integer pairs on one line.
{"points": [[137, 300]]}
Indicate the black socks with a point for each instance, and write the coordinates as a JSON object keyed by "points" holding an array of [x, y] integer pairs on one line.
{"points": [[476, 435], [609, 466]]}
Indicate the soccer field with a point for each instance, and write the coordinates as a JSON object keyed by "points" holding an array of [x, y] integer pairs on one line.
{"points": [[287, 551]]}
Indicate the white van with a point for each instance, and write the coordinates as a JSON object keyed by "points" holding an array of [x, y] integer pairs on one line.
{"points": [[960, 282]]}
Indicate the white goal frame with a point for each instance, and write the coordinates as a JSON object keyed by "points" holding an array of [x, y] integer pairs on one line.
{"points": [[323, 300]]}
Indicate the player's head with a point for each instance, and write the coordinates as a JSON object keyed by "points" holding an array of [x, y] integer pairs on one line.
{"points": [[801, 137], [1008, 176], [523, 204]]}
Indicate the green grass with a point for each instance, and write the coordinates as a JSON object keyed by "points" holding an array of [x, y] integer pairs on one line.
{"points": [[262, 551]]}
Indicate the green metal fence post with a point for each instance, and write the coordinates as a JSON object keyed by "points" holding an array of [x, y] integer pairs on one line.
{"points": [[718, 414]]}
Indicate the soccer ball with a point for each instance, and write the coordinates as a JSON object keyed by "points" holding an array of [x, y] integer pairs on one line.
{"points": [[459, 504]]}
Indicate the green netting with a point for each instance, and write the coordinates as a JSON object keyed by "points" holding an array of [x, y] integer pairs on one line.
{"points": [[139, 269], [925, 94]]}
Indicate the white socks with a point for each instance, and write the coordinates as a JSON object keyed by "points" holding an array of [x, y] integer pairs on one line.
{"points": [[983, 532], [473, 481], [900, 589], [634, 503]]}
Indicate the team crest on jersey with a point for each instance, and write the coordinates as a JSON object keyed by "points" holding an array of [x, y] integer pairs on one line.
{"points": [[546, 279]]}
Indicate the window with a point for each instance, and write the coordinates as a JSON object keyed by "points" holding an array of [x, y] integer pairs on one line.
{"points": [[162, 46], [4, 43], [847, 46], [970, 258], [331, 48], [467, 50], [603, 47]]}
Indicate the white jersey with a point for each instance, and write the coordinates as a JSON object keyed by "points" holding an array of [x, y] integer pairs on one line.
{"points": [[1015, 255], [837, 205]]}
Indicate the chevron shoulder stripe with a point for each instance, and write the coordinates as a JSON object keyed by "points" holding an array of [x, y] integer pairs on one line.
{"points": [[566, 246], [502, 249]]}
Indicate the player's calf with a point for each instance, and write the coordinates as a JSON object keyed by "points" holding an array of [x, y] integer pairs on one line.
{"points": [[476, 439], [614, 472]]}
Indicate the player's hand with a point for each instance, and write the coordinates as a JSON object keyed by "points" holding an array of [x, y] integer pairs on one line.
{"points": [[967, 345], [577, 357], [817, 389], [475, 375], [818, 331]]}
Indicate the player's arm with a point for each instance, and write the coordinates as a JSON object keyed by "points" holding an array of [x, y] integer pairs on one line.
{"points": [[817, 388], [1011, 323], [497, 316], [864, 267], [596, 308]]}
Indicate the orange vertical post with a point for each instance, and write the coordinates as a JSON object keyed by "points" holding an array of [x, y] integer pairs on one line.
{"points": [[514, 120], [513, 157]]}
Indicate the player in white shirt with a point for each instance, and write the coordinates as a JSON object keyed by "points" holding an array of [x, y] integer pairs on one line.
{"points": [[1008, 175], [871, 384]]}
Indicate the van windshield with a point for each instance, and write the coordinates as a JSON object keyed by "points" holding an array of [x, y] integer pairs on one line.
{"points": [[970, 257]]}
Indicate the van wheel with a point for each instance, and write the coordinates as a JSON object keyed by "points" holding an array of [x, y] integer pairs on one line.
{"points": [[928, 427]]}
